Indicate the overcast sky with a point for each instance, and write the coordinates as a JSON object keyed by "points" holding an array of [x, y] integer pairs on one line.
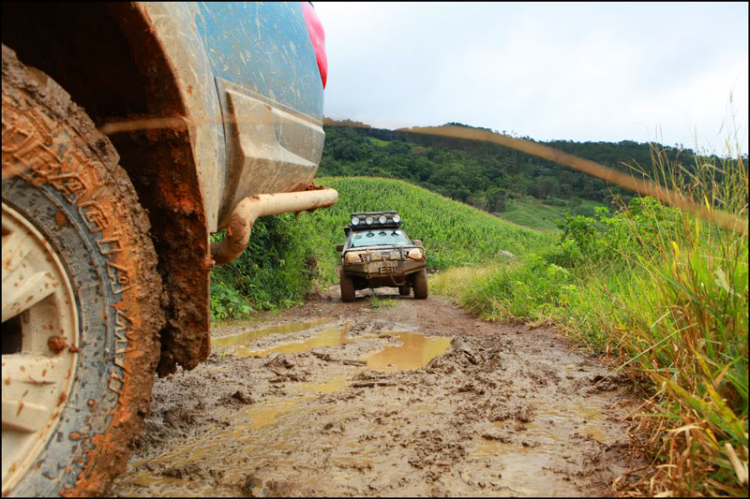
{"points": [[583, 72]]}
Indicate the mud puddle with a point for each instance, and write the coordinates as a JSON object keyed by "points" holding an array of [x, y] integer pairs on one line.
{"points": [[419, 399], [246, 335]]}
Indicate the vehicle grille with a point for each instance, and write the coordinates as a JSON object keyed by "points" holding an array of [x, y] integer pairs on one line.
{"points": [[389, 255]]}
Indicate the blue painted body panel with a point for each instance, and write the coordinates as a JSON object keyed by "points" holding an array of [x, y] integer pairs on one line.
{"points": [[264, 47]]}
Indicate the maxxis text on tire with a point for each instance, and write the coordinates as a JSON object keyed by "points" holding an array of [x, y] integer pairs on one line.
{"points": [[62, 181]]}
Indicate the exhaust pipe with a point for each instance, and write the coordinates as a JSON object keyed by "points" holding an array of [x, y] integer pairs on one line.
{"points": [[249, 209]]}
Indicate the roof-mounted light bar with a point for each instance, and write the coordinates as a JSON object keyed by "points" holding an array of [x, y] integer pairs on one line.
{"points": [[375, 219]]}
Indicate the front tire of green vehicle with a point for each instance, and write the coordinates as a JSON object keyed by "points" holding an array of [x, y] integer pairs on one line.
{"points": [[80, 294], [347, 288], [420, 285]]}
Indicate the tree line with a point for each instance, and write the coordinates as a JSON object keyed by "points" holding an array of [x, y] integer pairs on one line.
{"points": [[487, 175]]}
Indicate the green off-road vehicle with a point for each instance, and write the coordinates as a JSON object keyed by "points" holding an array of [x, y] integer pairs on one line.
{"points": [[377, 252]]}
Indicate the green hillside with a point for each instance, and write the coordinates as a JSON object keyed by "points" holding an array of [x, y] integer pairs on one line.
{"points": [[541, 215]]}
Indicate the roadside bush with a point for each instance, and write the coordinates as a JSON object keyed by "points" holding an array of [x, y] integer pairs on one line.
{"points": [[226, 302], [636, 231], [580, 242], [585, 211], [275, 271], [532, 290]]}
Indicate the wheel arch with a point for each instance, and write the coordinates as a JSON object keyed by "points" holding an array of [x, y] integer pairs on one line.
{"points": [[114, 62]]}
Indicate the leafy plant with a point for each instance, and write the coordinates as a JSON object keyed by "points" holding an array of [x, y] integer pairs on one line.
{"points": [[226, 302]]}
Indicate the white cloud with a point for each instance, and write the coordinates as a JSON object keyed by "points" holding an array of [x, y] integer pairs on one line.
{"points": [[550, 71]]}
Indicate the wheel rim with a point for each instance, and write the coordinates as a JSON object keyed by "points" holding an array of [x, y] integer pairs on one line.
{"points": [[40, 340]]}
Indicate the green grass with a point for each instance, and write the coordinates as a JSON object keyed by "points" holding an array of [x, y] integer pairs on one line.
{"points": [[533, 213], [377, 302], [378, 142], [275, 271]]}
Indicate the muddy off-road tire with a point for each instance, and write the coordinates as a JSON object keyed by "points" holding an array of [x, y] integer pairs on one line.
{"points": [[80, 296], [420, 284], [347, 287], [404, 290]]}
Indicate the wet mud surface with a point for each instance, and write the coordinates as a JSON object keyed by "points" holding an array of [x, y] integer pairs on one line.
{"points": [[384, 397]]}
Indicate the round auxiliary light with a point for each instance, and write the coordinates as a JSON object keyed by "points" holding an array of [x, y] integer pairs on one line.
{"points": [[368, 220], [355, 221], [382, 219], [396, 218]]}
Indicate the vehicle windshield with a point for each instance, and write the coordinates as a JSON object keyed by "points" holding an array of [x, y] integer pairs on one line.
{"points": [[378, 237]]}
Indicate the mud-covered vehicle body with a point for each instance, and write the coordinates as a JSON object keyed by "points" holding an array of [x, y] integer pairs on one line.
{"points": [[377, 252], [131, 132]]}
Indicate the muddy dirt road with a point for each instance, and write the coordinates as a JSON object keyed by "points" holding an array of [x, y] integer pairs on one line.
{"points": [[387, 396]]}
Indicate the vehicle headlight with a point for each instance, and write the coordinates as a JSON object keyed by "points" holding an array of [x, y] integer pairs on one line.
{"points": [[369, 220], [415, 254], [382, 219], [351, 257], [396, 218], [355, 221]]}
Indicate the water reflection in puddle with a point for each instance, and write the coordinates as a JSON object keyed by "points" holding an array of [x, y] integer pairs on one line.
{"points": [[334, 384], [248, 336], [326, 338], [415, 351]]}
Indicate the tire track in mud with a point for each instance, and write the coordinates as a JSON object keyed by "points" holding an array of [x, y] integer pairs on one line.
{"points": [[505, 410]]}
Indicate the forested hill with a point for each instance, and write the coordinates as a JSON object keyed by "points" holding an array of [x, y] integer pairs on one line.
{"points": [[484, 175]]}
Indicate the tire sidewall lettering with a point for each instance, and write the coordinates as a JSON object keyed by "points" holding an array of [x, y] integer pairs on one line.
{"points": [[100, 268]]}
